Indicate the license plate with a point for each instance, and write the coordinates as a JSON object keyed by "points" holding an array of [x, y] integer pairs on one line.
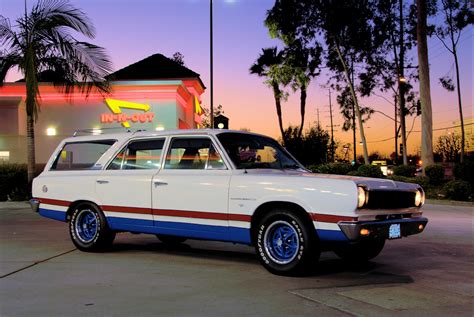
{"points": [[394, 231]]}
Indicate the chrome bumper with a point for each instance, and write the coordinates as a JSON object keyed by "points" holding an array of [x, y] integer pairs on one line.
{"points": [[380, 229], [34, 203]]}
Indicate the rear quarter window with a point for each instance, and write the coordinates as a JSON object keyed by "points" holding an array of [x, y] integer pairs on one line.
{"points": [[81, 155]]}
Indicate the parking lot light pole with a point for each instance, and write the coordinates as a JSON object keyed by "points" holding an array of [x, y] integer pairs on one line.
{"points": [[212, 70]]}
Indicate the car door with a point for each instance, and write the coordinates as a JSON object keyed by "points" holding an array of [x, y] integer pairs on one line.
{"points": [[124, 187], [190, 193]]}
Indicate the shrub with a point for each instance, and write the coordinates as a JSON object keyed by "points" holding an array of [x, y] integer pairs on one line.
{"points": [[13, 182], [465, 171], [423, 181], [404, 170], [334, 168], [435, 174], [369, 171], [457, 190]]}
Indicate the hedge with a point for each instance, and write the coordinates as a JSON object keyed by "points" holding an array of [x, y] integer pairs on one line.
{"points": [[14, 182]]}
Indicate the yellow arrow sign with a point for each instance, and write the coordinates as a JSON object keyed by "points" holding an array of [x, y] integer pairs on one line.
{"points": [[116, 105]]}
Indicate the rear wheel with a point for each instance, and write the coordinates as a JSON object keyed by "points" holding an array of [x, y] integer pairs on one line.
{"points": [[170, 239], [285, 244], [89, 230], [360, 252]]}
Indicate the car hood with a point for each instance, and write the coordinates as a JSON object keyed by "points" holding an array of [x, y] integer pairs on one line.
{"points": [[369, 183]]}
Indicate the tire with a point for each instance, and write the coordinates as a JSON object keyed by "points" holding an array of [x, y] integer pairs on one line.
{"points": [[170, 239], [286, 244], [360, 252], [89, 230]]}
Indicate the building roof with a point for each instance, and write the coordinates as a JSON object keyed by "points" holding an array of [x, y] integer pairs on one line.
{"points": [[156, 66]]}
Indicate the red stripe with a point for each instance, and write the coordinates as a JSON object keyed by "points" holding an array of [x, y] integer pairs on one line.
{"points": [[331, 218], [132, 210], [201, 215], [54, 202]]}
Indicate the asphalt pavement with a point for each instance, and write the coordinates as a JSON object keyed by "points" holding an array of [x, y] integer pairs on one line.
{"points": [[42, 274]]}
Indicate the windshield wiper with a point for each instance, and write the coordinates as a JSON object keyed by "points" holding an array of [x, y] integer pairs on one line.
{"points": [[291, 166]]}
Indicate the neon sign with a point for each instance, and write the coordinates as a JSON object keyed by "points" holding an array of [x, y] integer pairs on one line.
{"points": [[116, 107]]}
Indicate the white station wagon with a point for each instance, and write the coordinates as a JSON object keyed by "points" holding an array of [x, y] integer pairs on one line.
{"points": [[220, 185]]}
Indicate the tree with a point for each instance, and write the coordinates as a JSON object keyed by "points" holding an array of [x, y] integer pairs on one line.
{"points": [[206, 118], [311, 148], [42, 42], [178, 57], [457, 15], [448, 147], [347, 30], [347, 106], [270, 66], [425, 92], [303, 63]]}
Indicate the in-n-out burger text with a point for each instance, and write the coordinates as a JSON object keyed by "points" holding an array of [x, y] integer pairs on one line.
{"points": [[123, 117]]}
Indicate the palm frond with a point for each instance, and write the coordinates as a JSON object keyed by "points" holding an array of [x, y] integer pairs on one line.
{"points": [[54, 14], [8, 61]]}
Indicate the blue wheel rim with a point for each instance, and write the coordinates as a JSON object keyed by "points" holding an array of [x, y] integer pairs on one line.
{"points": [[281, 242], [86, 225]]}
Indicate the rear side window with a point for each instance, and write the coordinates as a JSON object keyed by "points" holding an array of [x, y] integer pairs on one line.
{"points": [[140, 154], [193, 153], [81, 155]]}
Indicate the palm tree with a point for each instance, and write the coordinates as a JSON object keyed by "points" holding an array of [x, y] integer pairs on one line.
{"points": [[270, 66], [41, 41], [425, 90], [303, 63]]}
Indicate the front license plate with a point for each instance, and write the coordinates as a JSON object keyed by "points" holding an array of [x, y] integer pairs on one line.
{"points": [[394, 231]]}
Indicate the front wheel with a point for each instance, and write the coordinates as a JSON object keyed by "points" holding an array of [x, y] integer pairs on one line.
{"points": [[89, 230], [360, 252], [285, 244]]}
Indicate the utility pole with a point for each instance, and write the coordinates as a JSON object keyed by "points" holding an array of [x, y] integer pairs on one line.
{"points": [[396, 131], [319, 123], [332, 126], [212, 69], [401, 85]]}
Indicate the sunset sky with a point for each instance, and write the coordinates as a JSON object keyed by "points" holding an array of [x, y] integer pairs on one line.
{"points": [[133, 30]]}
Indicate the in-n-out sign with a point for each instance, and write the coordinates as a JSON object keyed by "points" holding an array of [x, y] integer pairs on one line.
{"points": [[117, 116]]}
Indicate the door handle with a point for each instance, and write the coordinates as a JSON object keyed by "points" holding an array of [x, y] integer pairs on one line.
{"points": [[99, 181], [158, 183]]}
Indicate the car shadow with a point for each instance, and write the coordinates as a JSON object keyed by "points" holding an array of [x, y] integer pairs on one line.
{"points": [[357, 273]]}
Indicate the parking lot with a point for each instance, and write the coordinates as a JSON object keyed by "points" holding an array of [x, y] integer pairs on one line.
{"points": [[42, 274]]}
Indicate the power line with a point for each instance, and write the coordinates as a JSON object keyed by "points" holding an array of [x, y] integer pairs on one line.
{"points": [[439, 129]]}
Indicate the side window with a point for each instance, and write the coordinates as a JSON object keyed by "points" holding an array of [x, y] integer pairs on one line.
{"points": [[193, 153], [141, 154], [81, 155]]}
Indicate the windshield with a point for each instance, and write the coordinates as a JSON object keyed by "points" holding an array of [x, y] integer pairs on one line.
{"points": [[252, 151]]}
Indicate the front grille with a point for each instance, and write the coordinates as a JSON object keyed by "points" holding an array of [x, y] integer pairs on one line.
{"points": [[390, 199]]}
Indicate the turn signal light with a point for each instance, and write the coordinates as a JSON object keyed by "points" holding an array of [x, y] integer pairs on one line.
{"points": [[364, 232], [420, 227]]}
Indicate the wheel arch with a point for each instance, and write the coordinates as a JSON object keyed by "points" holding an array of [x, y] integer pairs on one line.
{"points": [[267, 207], [76, 203]]}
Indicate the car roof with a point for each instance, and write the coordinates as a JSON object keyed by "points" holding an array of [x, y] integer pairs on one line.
{"points": [[121, 136]]}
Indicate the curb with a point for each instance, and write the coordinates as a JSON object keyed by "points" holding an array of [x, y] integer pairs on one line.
{"points": [[14, 205], [449, 202]]}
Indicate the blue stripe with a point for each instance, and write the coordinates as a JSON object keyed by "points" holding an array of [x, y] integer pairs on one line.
{"points": [[53, 214], [331, 235], [188, 230]]}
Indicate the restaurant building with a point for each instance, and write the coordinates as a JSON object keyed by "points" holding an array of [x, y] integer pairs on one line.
{"points": [[155, 93]]}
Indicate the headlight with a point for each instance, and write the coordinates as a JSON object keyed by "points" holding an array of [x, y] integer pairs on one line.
{"points": [[362, 197], [419, 198]]}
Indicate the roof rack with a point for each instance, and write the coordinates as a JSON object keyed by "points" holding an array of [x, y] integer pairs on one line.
{"points": [[99, 131]]}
